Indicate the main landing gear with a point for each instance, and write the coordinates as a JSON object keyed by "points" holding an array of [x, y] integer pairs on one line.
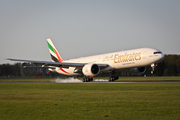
{"points": [[113, 78], [87, 79]]}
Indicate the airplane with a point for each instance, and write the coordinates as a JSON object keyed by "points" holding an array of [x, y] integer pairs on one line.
{"points": [[135, 59]]}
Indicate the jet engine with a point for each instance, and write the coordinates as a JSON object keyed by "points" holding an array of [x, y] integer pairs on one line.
{"points": [[138, 70], [90, 69]]}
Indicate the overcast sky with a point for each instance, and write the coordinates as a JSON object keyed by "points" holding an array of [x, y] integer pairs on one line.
{"points": [[86, 27]]}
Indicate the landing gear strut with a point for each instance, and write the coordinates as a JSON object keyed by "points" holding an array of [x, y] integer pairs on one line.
{"points": [[153, 66], [87, 79], [113, 77]]}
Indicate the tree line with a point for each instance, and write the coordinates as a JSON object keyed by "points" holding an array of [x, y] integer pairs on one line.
{"points": [[170, 66], [19, 69]]}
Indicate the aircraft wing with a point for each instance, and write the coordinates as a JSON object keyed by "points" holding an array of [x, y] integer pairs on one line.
{"points": [[57, 64]]}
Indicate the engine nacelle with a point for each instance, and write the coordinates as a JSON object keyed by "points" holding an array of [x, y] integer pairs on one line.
{"points": [[90, 69], [138, 70]]}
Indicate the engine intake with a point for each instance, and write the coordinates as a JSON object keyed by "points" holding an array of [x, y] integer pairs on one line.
{"points": [[90, 69]]}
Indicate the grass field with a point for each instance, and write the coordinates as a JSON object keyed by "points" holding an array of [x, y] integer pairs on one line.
{"points": [[34, 101]]}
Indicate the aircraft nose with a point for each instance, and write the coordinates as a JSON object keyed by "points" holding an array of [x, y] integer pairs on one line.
{"points": [[162, 57]]}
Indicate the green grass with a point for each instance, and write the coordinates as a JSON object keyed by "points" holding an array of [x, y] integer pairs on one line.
{"points": [[34, 101]]}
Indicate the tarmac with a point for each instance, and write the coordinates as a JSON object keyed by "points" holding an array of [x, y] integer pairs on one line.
{"points": [[115, 82]]}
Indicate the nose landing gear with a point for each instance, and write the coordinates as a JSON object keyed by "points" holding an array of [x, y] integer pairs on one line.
{"points": [[153, 66]]}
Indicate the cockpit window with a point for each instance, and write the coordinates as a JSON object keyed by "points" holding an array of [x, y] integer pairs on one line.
{"points": [[157, 52]]}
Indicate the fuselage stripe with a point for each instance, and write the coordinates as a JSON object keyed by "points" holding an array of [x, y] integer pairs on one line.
{"points": [[63, 70]]}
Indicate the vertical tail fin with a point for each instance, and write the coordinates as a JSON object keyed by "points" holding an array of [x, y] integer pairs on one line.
{"points": [[55, 56]]}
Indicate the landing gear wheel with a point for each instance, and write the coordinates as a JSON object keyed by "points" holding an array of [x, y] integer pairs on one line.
{"points": [[113, 78], [87, 79], [110, 80]]}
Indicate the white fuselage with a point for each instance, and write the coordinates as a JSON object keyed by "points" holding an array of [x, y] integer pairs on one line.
{"points": [[117, 60]]}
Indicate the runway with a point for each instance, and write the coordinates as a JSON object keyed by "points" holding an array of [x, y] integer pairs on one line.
{"points": [[116, 82]]}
